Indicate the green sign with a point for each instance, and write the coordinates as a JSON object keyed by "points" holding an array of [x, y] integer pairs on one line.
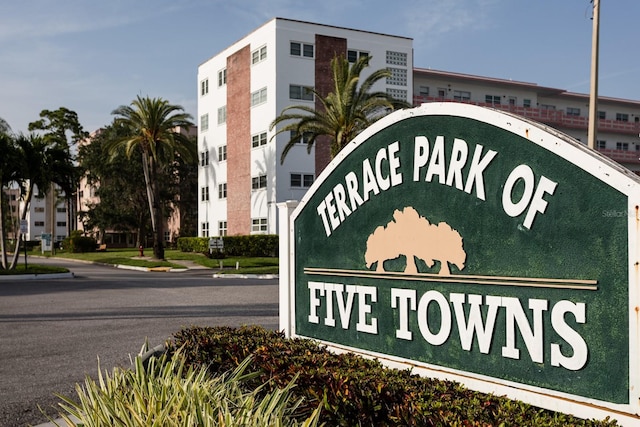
{"points": [[478, 243]]}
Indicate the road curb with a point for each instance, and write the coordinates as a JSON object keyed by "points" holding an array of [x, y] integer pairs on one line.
{"points": [[245, 276]]}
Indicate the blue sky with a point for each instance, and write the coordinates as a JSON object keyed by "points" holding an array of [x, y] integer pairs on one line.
{"points": [[92, 56]]}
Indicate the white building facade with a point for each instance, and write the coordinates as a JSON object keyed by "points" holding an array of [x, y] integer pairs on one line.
{"points": [[240, 92]]}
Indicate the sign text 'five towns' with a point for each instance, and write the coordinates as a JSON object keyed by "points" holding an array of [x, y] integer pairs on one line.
{"points": [[473, 244]]}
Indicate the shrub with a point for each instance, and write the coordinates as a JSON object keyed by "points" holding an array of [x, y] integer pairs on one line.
{"points": [[354, 390], [163, 390], [79, 243], [258, 245]]}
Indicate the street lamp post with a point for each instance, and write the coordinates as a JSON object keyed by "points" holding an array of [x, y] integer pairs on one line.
{"points": [[593, 97]]}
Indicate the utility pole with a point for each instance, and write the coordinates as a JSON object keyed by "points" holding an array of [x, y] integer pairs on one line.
{"points": [[593, 97]]}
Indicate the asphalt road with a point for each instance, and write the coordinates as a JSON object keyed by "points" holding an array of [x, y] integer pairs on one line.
{"points": [[52, 332]]}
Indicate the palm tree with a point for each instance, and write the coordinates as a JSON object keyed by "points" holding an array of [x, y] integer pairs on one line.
{"points": [[153, 126], [8, 174], [345, 112], [40, 163]]}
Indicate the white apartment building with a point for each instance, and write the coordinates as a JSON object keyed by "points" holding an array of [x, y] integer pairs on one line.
{"points": [[45, 218], [244, 87]]}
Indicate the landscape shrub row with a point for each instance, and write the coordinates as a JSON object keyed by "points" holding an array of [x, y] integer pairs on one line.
{"points": [[353, 390], [258, 245], [78, 243]]}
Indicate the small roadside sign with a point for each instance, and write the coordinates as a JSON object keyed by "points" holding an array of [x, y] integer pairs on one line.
{"points": [[24, 226], [216, 243]]}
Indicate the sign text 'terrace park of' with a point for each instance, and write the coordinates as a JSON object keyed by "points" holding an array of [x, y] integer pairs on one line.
{"points": [[477, 246]]}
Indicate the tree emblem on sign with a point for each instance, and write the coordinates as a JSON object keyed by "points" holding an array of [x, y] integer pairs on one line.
{"points": [[413, 236]]}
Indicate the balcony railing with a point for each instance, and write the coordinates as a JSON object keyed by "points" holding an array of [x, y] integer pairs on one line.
{"points": [[556, 118], [622, 156]]}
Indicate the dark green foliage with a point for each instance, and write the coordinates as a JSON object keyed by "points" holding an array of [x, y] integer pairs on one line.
{"points": [[79, 243], [259, 245], [193, 244], [356, 391]]}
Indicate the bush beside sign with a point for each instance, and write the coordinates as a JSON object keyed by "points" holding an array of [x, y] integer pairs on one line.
{"points": [[477, 245]]}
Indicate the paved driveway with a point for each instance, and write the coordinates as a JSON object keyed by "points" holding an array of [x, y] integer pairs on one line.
{"points": [[52, 332]]}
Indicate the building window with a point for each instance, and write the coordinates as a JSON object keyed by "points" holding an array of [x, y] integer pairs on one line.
{"points": [[396, 58], [602, 115], [513, 101], [259, 225], [204, 194], [354, 55], [38, 209], [222, 228], [167, 236], [547, 107], [204, 158], [302, 139], [258, 182], [204, 87], [301, 180], [259, 140], [461, 95], [300, 92], [400, 94], [573, 111], [423, 91], [222, 115], [398, 77], [204, 122], [622, 117], [41, 223], [222, 77], [301, 49], [222, 190], [602, 144], [222, 153], [442, 93], [259, 55], [205, 229], [259, 97], [61, 210], [526, 103], [63, 223], [492, 99], [624, 146]]}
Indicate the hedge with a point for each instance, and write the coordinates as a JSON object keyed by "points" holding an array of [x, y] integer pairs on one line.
{"points": [[354, 390], [258, 245]]}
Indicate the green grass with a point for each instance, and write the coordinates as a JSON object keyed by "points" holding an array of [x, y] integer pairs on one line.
{"points": [[34, 269], [130, 256]]}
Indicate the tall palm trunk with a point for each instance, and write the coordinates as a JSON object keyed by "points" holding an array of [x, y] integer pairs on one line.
{"points": [[2, 231], [23, 216], [155, 211]]}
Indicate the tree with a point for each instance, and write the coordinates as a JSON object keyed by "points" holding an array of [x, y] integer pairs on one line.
{"points": [[40, 163], [56, 125], [154, 129], [123, 200], [4, 126], [9, 162], [345, 112]]}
